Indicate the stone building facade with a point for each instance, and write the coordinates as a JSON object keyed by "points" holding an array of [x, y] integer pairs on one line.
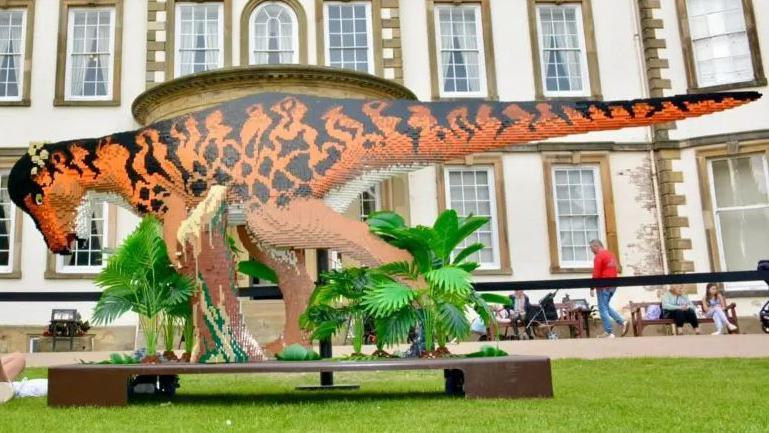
{"points": [[685, 197]]}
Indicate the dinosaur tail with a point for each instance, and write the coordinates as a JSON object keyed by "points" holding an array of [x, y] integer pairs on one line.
{"points": [[387, 137], [442, 131]]}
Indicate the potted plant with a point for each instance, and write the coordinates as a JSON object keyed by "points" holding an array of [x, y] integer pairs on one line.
{"points": [[435, 288], [139, 277], [169, 332], [337, 302]]}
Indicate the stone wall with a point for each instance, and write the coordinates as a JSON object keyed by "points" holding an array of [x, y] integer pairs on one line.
{"points": [[676, 240]]}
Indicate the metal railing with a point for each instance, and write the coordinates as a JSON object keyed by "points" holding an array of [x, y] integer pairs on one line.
{"points": [[273, 293]]}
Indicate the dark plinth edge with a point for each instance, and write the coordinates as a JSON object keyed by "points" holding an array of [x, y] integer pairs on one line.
{"points": [[502, 377]]}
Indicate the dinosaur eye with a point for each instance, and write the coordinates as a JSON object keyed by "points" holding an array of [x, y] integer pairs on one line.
{"points": [[39, 199]]}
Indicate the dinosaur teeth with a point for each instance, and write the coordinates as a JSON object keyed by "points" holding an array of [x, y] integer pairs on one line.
{"points": [[82, 219]]}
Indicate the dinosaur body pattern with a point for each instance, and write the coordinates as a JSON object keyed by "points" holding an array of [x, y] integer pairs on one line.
{"points": [[293, 163]]}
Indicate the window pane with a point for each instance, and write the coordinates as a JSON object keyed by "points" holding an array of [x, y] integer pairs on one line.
{"points": [[199, 41], [348, 35], [562, 51], [740, 181], [369, 202], [742, 209], [719, 42], [577, 211], [90, 57], [11, 53], [88, 252], [460, 48], [272, 34], [470, 191], [744, 237], [7, 216]]}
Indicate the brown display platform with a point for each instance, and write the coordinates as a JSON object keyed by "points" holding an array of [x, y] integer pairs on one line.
{"points": [[499, 377]]}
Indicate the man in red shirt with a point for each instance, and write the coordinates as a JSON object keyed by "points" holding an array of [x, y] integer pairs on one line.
{"points": [[605, 266]]}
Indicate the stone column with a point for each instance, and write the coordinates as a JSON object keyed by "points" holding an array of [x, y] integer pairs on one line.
{"points": [[157, 33], [392, 57]]}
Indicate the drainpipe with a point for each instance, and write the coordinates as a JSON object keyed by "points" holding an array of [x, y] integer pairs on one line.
{"points": [[644, 82]]}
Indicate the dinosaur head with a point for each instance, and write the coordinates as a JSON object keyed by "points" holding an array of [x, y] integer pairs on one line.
{"points": [[49, 183]]}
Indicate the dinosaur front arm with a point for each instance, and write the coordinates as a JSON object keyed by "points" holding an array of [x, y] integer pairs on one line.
{"points": [[172, 220]]}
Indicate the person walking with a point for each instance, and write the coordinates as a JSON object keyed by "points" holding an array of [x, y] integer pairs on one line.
{"points": [[605, 266]]}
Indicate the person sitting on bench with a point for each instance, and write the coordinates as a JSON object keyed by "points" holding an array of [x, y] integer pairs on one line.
{"points": [[677, 306], [520, 304], [714, 305], [501, 315], [479, 327]]}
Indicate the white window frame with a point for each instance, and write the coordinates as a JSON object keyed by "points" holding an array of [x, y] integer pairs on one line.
{"points": [[377, 193], [23, 53], [7, 269], [696, 61], [496, 264], [585, 72], [588, 263], [483, 85], [63, 268], [746, 285], [68, 96], [178, 27], [294, 30], [369, 33]]}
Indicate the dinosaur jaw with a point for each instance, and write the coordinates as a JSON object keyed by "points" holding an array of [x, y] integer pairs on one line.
{"points": [[80, 228]]}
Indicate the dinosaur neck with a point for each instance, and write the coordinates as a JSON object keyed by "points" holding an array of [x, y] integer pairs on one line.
{"points": [[104, 166]]}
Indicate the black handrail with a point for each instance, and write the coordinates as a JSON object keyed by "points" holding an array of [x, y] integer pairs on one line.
{"points": [[641, 280], [273, 293]]}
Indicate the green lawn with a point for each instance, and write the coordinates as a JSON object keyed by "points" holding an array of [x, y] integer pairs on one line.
{"points": [[651, 395]]}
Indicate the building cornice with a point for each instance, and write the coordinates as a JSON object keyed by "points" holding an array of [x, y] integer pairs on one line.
{"points": [[155, 103], [710, 140]]}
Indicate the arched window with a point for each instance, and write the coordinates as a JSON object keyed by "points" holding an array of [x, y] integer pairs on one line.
{"points": [[274, 34]]}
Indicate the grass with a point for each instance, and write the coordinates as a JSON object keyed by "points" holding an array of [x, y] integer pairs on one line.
{"points": [[631, 395]]}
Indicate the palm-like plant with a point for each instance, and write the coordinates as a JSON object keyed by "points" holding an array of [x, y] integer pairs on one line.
{"points": [[339, 301], [439, 280], [139, 277], [169, 324]]}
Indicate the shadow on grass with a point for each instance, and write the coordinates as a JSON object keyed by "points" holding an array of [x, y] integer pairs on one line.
{"points": [[289, 398]]}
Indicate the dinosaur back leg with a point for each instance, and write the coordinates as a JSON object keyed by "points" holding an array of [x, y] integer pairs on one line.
{"points": [[310, 223], [295, 283]]}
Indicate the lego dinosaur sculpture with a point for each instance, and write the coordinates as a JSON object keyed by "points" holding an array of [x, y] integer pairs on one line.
{"points": [[294, 163]]}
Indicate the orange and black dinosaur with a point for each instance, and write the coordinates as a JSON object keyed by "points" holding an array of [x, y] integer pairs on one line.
{"points": [[294, 163]]}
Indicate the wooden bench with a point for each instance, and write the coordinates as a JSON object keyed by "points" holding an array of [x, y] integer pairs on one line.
{"points": [[639, 322], [497, 377], [567, 316]]}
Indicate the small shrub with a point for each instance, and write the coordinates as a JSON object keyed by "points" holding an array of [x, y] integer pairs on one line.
{"points": [[297, 352], [487, 352]]}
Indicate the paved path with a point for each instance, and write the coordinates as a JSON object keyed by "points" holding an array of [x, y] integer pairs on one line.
{"points": [[705, 346]]}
